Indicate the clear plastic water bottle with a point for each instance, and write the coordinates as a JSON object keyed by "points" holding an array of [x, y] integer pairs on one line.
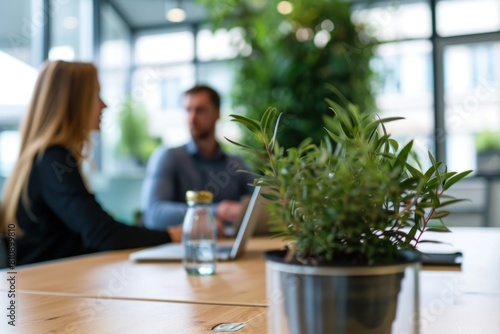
{"points": [[199, 234]]}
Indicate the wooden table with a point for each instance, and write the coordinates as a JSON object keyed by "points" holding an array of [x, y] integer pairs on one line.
{"points": [[112, 275], [40, 313], [451, 301], [468, 300]]}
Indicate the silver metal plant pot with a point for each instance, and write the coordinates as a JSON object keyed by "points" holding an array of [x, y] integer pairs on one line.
{"points": [[344, 300]]}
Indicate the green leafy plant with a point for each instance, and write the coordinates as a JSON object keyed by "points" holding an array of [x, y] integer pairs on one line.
{"points": [[135, 140], [357, 197], [488, 140], [283, 55]]}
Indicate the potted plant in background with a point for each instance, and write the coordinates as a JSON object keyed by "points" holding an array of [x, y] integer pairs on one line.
{"points": [[135, 141], [488, 152], [285, 48], [352, 209]]}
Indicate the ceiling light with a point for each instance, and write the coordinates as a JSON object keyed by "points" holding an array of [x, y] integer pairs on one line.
{"points": [[176, 14]]}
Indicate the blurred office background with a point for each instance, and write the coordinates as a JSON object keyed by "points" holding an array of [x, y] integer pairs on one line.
{"points": [[436, 63]]}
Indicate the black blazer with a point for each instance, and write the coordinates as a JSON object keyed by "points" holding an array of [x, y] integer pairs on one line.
{"points": [[65, 218]]}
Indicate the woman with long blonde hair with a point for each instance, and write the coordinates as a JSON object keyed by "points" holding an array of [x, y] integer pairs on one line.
{"points": [[46, 204]]}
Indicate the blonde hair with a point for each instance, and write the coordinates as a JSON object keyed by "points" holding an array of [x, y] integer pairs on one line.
{"points": [[59, 114]]}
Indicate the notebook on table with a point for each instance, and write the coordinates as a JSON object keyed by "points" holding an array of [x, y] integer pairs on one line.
{"points": [[225, 252], [440, 254]]}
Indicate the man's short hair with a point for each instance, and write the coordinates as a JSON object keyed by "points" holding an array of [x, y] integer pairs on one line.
{"points": [[213, 95]]}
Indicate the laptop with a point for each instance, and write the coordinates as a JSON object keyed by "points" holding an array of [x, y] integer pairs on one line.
{"points": [[225, 252]]}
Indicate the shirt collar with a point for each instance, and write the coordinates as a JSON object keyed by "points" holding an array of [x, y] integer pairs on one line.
{"points": [[192, 149]]}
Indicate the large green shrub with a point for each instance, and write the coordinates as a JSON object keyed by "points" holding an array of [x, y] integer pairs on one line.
{"points": [[293, 56]]}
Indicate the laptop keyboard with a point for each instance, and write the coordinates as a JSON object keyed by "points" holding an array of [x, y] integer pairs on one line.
{"points": [[223, 248]]}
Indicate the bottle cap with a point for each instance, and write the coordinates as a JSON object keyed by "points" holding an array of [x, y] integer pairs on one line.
{"points": [[199, 196]]}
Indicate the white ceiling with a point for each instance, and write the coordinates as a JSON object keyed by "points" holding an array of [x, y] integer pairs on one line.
{"points": [[140, 14]]}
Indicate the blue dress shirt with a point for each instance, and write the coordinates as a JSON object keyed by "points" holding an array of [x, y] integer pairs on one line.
{"points": [[172, 172]]}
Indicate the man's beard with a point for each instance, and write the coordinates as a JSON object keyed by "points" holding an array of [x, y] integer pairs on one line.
{"points": [[203, 135]]}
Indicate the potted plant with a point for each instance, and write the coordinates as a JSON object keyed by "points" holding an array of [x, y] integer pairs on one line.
{"points": [[352, 209], [488, 152], [135, 141]]}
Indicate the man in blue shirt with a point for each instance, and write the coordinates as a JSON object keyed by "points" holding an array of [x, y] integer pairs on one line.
{"points": [[199, 165]]}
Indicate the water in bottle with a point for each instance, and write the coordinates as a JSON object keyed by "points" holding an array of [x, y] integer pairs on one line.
{"points": [[199, 234]]}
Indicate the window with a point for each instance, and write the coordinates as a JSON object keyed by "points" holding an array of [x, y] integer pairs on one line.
{"points": [[162, 48], [115, 62], [404, 88], [71, 30], [20, 30], [9, 150], [221, 44], [394, 22], [456, 17], [472, 99], [166, 65], [160, 89]]}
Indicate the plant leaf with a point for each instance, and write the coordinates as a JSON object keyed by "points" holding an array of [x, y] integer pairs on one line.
{"points": [[455, 179], [431, 242], [438, 229], [268, 119], [373, 125], [413, 231], [343, 116], [239, 144], [440, 214], [405, 151], [271, 143], [453, 201], [431, 158], [413, 171], [394, 144], [250, 124], [337, 92], [269, 196], [335, 138]]}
